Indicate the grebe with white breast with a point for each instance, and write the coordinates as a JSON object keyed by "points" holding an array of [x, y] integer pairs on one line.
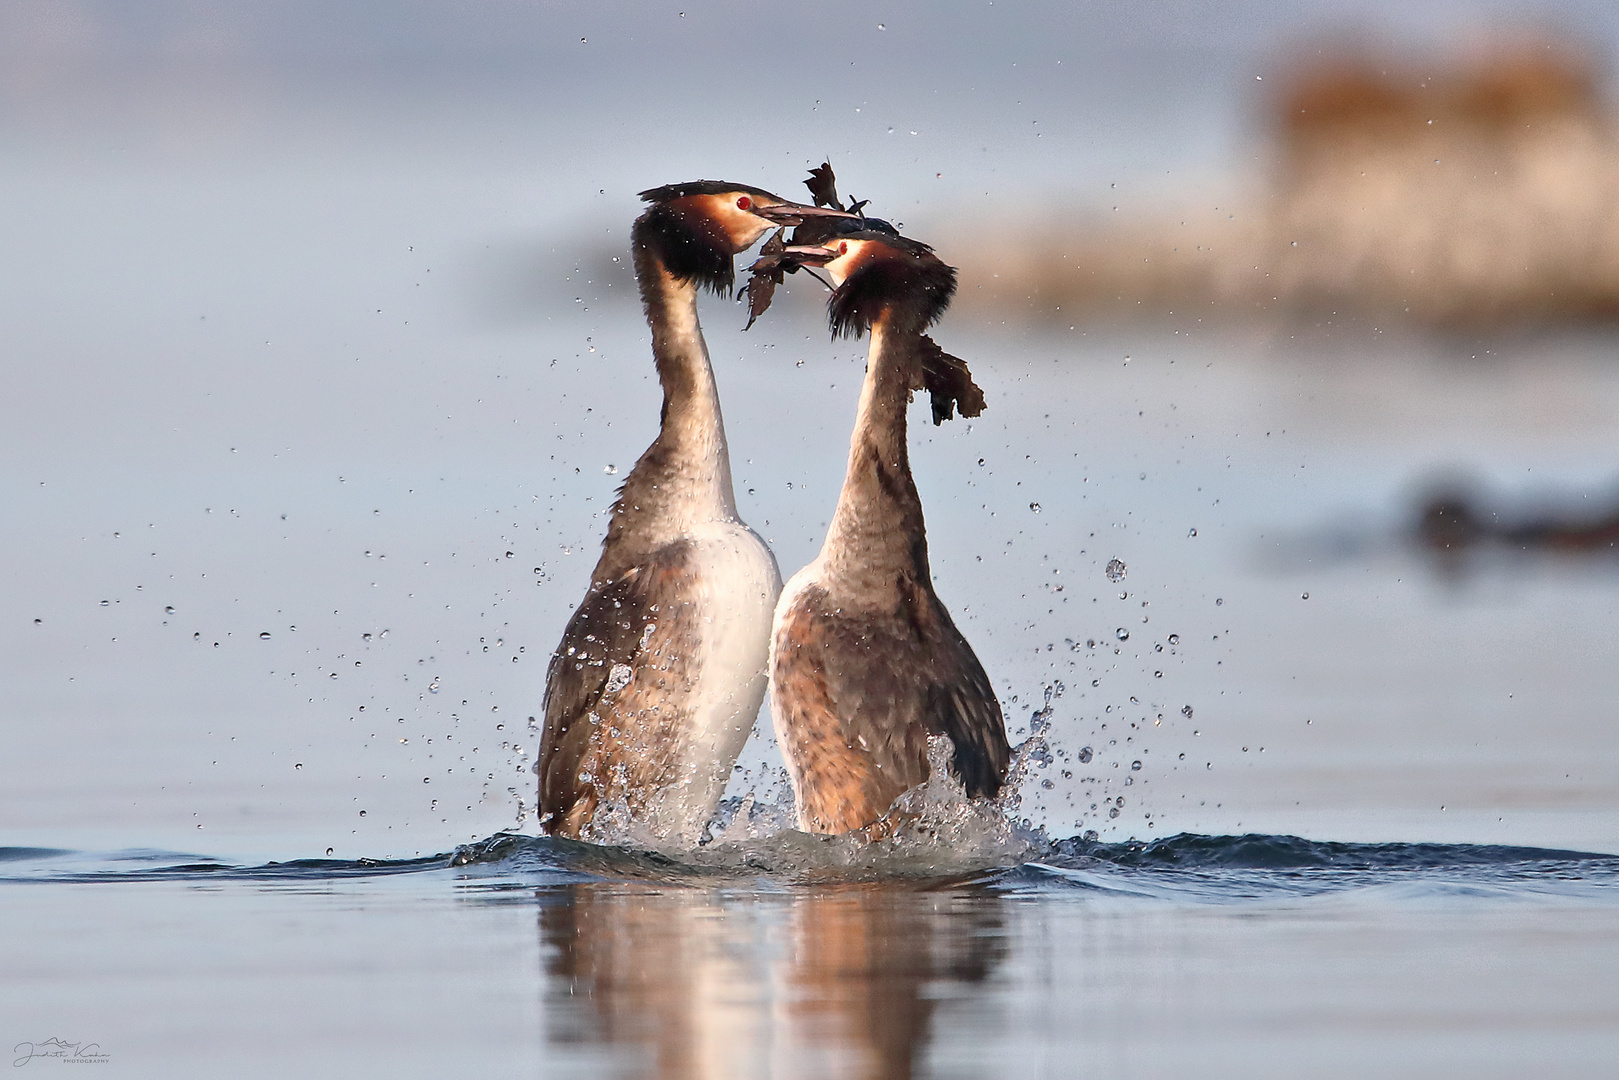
{"points": [[661, 670]]}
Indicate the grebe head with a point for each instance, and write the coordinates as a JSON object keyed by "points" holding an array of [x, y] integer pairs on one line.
{"points": [[699, 227], [883, 275], [880, 275]]}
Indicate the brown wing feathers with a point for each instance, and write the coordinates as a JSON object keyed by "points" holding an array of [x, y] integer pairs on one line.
{"points": [[862, 696], [623, 649]]}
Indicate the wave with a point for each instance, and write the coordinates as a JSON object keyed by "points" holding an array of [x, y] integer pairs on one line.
{"points": [[1187, 868]]}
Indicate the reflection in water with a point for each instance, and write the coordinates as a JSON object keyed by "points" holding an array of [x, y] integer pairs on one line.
{"points": [[831, 980]]}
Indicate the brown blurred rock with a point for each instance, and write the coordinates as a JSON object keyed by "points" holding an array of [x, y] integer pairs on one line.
{"points": [[1471, 194]]}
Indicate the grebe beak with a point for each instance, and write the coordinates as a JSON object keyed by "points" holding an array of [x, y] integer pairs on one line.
{"points": [[795, 213], [808, 256]]}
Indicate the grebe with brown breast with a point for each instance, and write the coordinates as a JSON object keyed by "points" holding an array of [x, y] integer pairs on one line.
{"points": [[866, 664]]}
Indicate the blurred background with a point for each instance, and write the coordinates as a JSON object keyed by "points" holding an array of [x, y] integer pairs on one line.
{"points": [[321, 363]]}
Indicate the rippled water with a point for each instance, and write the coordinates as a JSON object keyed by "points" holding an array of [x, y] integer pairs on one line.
{"points": [[1207, 955], [1186, 867]]}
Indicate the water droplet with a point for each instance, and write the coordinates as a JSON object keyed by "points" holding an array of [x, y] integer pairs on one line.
{"points": [[427, 779], [1091, 836], [1113, 813], [264, 635], [1191, 532], [1135, 766], [1218, 602], [365, 637], [610, 470], [298, 765], [106, 603], [1186, 711], [362, 812], [169, 610], [618, 678], [328, 851], [1305, 596], [1115, 570], [1122, 634], [1035, 507], [432, 687], [1085, 755], [1174, 639]]}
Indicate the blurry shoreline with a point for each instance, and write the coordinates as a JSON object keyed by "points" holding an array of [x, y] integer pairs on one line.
{"points": [[1476, 194]]}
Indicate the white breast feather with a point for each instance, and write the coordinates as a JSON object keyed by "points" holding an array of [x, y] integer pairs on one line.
{"points": [[740, 584]]}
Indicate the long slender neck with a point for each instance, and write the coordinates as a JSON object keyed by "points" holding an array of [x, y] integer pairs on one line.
{"points": [[877, 528], [684, 477]]}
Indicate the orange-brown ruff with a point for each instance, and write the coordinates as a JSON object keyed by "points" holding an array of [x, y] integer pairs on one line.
{"points": [[866, 663], [661, 670]]}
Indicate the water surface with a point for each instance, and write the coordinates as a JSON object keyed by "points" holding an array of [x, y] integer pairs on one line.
{"points": [[1206, 955]]}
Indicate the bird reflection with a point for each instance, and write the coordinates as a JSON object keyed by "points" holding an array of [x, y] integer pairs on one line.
{"points": [[828, 980]]}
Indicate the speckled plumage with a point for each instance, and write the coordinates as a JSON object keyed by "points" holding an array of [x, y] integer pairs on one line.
{"points": [[616, 701]]}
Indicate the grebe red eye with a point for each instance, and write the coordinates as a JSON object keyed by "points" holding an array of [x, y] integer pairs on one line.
{"points": [[744, 203], [843, 248]]}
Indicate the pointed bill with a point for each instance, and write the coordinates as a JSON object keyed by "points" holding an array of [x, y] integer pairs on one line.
{"points": [[795, 213]]}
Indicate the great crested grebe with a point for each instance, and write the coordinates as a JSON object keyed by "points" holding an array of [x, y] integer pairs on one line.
{"points": [[865, 662], [661, 670]]}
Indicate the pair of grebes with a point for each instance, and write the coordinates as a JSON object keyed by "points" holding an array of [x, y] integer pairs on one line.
{"points": [[662, 669]]}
